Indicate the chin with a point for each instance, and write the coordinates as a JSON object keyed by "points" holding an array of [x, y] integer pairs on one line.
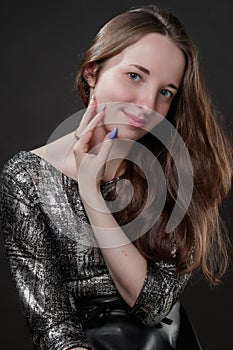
{"points": [[129, 133]]}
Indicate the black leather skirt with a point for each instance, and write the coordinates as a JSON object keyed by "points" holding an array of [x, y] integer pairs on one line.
{"points": [[110, 326]]}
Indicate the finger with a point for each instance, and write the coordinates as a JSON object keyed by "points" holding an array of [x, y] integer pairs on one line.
{"points": [[82, 145], [90, 129], [88, 118], [90, 112], [96, 121], [88, 115], [107, 144]]}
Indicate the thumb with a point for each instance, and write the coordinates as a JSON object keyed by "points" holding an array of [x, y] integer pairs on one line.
{"points": [[107, 144]]}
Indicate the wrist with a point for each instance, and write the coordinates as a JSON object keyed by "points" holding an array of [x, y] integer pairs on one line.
{"points": [[94, 201]]}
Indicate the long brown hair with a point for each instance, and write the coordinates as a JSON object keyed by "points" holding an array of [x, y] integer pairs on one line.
{"points": [[199, 241]]}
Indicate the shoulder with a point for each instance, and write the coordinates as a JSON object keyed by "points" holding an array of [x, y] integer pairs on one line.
{"points": [[19, 175], [17, 163], [33, 180], [20, 166]]}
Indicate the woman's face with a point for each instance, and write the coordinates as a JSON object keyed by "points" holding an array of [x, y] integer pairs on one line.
{"points": [[143, 77]]}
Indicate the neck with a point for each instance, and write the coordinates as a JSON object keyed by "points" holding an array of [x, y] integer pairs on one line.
{"points": [[119, 150], [118, 153]]}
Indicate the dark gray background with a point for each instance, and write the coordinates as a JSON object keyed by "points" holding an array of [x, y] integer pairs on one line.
{"points": [[41, 44]]}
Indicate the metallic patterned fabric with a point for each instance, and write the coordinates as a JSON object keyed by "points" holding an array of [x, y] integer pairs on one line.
{"points": [[53, 258]]}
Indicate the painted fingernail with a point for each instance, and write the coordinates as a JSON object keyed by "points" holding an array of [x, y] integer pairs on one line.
{"points": [[100, 108], [113, 133]]}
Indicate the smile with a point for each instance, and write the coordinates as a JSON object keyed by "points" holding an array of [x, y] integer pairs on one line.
{"points": [[135, 121]]}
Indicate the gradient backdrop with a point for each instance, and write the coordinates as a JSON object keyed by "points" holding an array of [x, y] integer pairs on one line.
{"points": [[41, 44]]}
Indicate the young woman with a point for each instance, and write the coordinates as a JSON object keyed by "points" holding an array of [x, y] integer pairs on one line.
{"points": [[95, 264]]}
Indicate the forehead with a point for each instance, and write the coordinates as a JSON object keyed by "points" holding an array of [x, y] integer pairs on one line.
{"points": [[155, 52]]}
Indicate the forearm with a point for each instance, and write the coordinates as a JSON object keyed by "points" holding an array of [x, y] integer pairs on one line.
{"points": [[126, 265]]}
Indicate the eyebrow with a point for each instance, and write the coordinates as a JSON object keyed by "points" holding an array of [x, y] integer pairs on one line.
{"points": [[143, 69], [146, 71], [173, 86]]}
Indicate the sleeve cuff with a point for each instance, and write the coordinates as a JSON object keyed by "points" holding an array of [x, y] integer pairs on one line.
{"points": [[64, 336], [160, 291]]}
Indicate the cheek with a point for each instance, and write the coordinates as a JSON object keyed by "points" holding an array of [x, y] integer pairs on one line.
{"points": [[164, 111], [162, 108], [112, 90]]}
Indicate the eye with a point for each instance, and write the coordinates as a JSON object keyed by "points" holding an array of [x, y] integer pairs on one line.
{"points": [[134, 76], [166, 93]]}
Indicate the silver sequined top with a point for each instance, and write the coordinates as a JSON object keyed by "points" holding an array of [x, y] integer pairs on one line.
{"points": [[46, 235]]}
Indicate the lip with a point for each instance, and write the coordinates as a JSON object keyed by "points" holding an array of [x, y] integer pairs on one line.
{"points": [[134, 120]]}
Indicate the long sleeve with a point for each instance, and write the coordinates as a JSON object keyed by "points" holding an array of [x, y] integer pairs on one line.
{"points": [[161, 290], [45, 234], [43, 295]]}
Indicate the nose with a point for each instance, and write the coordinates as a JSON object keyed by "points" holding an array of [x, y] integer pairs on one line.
{"points": [[151, 99], [147, 98]]}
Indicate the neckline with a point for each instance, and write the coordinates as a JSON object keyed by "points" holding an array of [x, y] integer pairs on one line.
{"points": [[48, 163], [103, 183]]}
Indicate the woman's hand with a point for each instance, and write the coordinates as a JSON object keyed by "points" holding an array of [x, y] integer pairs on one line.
{"points": [[126, 265], [87, 117], [91, 151]]}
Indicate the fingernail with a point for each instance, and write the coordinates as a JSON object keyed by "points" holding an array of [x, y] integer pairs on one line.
{"points": [[92, 99], [100, 108], [113, 133]]}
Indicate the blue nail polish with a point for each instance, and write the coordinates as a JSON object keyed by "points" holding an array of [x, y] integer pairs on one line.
{"points": [[100, 108], [113, 133]]}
